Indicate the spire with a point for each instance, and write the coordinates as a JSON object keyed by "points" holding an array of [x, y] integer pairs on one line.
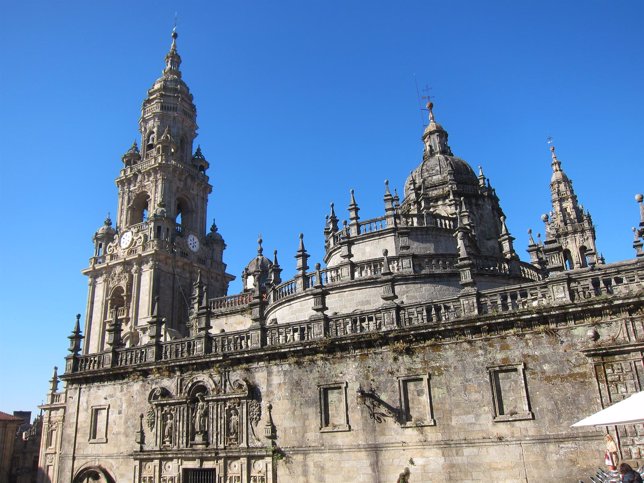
{"points": [[275, 271], [172, 59], [302, 256], [260, 250], [506, 240], [556, 164], [333, 220], [481, 177], [390, 209], [353, 216], [570, 233], [54, 381], [75, 338], [638, 233]]}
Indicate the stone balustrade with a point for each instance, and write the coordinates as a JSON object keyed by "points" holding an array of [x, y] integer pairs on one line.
{"points": [[231, 301], [625, 279]]}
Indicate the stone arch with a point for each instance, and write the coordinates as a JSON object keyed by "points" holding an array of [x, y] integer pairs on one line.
{"points": [[184, 212], [199, 385], [117, 298], [139, 208], [567, 260], [158, 393], [149, 141], [93, 474], [131, 338]]}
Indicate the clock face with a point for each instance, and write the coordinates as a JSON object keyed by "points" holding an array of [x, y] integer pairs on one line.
{"points": [[193, 242], [126, 239]]}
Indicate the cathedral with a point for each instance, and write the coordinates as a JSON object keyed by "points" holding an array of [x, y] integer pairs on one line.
{"points": [[423, 349]]}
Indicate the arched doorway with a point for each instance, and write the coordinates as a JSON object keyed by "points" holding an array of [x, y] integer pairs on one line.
{"points": [[94, 474]]}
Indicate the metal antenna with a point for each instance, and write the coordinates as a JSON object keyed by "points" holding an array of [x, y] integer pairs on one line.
{"points": [[427, 89], [420, 105]]}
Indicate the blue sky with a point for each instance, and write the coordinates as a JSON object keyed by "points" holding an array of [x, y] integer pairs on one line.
{"points": [[298, 102]]}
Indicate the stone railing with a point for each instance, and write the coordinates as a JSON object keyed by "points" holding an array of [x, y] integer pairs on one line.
{"points": [[566, 289], [373, 225], [427, 219], [178, 349], [284, 290], [231, 301], [132, 356], [231, 342]]}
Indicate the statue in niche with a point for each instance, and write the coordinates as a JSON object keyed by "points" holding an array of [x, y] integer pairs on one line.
{"points": [[168, 426], [201, 411], [233, 425]]}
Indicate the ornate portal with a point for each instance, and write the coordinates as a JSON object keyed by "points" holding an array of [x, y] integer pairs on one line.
{"points": [[212, 420]]}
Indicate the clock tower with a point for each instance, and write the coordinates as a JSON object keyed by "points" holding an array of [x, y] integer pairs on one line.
{"points": [[148, 263]]}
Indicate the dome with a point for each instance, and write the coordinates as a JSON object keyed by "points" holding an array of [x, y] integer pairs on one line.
{"points": [[260, 264], [441, 169], [106, 230]]}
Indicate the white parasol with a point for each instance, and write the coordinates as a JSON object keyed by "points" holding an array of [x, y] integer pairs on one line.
{"points": [[628, 411]]}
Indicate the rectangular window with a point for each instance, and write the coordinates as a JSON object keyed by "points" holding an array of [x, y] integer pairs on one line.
{"points": [[416, 401], [510, 393], [333, 407], [98, 424]]}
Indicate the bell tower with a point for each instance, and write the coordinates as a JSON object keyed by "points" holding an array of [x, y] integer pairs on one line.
{"points": [[148, 263]]}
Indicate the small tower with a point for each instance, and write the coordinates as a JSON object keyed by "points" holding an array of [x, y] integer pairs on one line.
{"points": [[570, 233]]}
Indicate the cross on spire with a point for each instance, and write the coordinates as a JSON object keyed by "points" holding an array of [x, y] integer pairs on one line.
{"points": [[430, 105]]}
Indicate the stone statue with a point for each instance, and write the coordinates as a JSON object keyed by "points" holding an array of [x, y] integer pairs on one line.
{"points": [[200, 415], [232, 424], [168, 427]]}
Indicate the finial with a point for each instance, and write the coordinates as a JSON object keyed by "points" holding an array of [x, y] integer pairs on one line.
{"points": [[275, 264], [332, 210], [530, 239], [640, 198], [387, 192], [260, 250], [198, 154], [353, 198], [556, 164], [108, 220], [430, 108], [481, 170]]}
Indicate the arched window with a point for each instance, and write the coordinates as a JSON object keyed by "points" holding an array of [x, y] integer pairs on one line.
{"points": [[583, 256], [568, 263], [117, 299], [139, 209], [149, 143], [183, 214]]}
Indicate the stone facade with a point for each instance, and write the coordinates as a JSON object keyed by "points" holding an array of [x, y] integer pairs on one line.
{"points": [[423, 343]]}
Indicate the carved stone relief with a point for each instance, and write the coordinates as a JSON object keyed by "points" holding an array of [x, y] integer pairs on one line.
{"points": [[217, 412]]}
